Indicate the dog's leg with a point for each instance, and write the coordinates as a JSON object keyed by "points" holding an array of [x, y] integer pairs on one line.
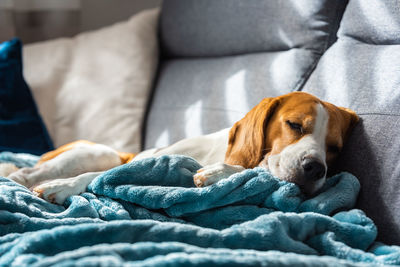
{"points": [[211, 174], [57, 191], [78, 159], [7, 168]]}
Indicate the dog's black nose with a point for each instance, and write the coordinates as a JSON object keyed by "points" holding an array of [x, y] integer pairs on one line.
{"points": [[313, 170]]}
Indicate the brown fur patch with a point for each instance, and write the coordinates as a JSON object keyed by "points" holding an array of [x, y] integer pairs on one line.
{"points": [[54, 153]]}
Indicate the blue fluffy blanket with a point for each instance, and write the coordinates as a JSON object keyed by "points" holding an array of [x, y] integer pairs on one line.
{"points": [[148, 213]]}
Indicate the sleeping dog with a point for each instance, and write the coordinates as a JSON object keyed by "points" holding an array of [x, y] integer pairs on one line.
{"points": [[295, 136]]}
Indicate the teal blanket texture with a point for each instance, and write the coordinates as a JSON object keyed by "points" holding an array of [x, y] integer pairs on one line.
{"points": [[149, 213]]}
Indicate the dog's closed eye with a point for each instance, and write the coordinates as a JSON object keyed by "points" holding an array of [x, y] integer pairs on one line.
{"points": [[295, 126]]}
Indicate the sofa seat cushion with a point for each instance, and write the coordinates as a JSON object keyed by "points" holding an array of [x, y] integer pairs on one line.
{"points": [[220, 58], [361, 71]]}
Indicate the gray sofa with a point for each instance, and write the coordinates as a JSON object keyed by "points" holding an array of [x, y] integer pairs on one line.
{"points": [[221, 57]]}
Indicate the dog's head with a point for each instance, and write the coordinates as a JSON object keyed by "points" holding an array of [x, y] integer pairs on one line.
{"points": [[296, 136]]}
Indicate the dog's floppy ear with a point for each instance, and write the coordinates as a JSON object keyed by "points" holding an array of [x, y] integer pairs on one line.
{"points": [[350, 118], [247, 136]]}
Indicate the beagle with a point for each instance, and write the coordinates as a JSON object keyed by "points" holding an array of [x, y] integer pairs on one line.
{"points": [[295, 136]]}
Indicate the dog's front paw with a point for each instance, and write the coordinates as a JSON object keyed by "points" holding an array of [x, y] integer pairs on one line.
{"points": [[199, 179], [211, 174], [57, 191]]}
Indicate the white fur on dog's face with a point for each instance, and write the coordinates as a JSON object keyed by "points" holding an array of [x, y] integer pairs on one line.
{"points": [[287, 165]]}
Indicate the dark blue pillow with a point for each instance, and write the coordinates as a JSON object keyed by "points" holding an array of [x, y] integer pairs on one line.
{"points": [[21, 128]]}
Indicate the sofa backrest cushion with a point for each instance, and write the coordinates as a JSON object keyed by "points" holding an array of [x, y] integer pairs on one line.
{"points": [[361, 71], [220, 58], [224, 27]]}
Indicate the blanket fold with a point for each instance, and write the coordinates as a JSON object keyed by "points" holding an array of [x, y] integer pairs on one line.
{"points": [[149, 213]]}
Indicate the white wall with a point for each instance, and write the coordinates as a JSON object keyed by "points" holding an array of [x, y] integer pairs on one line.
{"points": [[97, 13], [38, 20]]}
